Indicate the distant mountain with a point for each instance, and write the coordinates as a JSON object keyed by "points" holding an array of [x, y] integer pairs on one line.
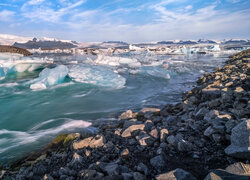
{"points": [[206, 41], [45, 44], [116, 42], [165, 42], [236, 41]]}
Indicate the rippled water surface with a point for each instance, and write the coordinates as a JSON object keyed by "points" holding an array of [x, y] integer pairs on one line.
{"points": [[94, 88]]}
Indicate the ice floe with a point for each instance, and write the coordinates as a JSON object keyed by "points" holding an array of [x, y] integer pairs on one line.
{"points": [[49, 77], [97, 75]]}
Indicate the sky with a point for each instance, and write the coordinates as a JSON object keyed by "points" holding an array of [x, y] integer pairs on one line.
{"points": [[126, 20]]}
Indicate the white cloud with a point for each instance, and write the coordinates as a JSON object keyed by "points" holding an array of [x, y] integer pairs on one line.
{"points": [[35, 2], [6, 15]]}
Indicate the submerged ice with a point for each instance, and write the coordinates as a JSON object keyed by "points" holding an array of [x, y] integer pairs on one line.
{"points": [[49, 77], [97, 75]]}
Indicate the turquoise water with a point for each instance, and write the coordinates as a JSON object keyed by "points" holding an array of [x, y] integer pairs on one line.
{"points": [[29, 119]]}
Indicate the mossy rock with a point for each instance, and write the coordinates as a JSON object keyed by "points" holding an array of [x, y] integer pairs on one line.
{"points": [[62, 141]]}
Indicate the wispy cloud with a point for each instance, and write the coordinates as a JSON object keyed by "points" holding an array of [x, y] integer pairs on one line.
{"points": [[6, 15]]}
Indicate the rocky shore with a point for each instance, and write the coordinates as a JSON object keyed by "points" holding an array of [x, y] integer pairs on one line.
{"points": [[12, 49], [207, 136]]}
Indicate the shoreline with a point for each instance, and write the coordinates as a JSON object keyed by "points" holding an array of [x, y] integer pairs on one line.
{"points": [[191, 135]]}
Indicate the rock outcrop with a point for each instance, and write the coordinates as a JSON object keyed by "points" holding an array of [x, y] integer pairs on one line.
{"points": [[12, 49]]}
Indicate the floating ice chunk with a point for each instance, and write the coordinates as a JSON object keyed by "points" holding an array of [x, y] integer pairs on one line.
{"points": [[117, 61], [97, 75], [2, 73], [215, 48], [157, 72], [135, 48], [49, 77]]}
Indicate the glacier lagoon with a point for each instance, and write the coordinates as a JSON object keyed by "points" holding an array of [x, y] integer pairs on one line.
{"points": [[72, 91]]}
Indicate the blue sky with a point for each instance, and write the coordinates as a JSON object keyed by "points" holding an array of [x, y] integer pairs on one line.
{"points": [[126, 20]]}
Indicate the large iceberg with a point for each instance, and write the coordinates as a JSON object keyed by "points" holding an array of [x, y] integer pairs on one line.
{"points": [[97, 75], [11, 62], [49, 77]]}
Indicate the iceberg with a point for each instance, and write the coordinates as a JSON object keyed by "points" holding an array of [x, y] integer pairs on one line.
{"points": [[157, 72], [11, 62], [97, 75], [117, 61], [49, 77], [215, 48]]}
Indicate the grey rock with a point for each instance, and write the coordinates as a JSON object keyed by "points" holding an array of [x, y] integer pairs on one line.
{"points": [[237, 171], [47, 177], [127, 176], [158, 162], [209, 131], [177, 174], [142, 168], [201, 113], [184, 146], [89, 174], [171, 140], [240, 141], [138, 176]]}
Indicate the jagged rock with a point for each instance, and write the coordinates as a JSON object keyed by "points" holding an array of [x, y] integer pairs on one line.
{"points": [[47, 177], [201, 113], [154, 133], [177, 174], [158, 162], [237, 171], [240, 141], [97, 141], [210, 93], [82, 143], [145, 140], [209, 131], [142, 168], [89, 174], [138, 176], [163, 135], [93, 142], [125, 152], [126, 115], [127, 132], [171, 140], [184, 145]]}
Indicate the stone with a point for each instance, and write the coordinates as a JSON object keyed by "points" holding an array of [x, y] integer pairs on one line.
{"points": [[91, 174], [184, 146], [152, 110], [177, 174], [171, 140], [112, 169], [125, 152], [130, 122], [158, 162], [127, 132], [47, 177], [127, 176], [145, 140], [201, 113], [126, 115], [142, 168], [154, 133], [240, 141], [210, 93], [237, 171], [209, 131], [138, 176], [163, 135], [82, 143], [97, 141]]}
